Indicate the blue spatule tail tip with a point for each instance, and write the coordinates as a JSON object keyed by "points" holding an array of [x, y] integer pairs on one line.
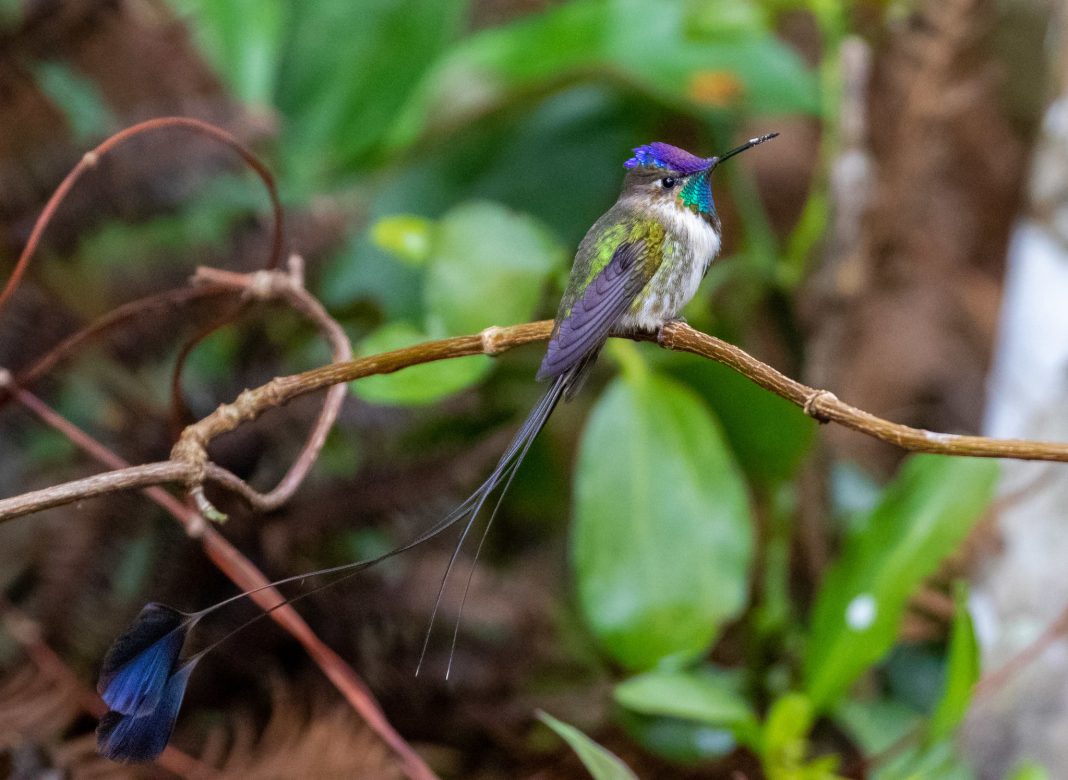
{"points": [[141, 737]]}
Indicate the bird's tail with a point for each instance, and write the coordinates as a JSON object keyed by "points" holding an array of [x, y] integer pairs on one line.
{"points": [[142, 679], [468, 511], [501, 477]]}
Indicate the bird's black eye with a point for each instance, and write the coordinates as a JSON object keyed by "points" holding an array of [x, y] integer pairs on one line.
{"points": [[667, 182]]}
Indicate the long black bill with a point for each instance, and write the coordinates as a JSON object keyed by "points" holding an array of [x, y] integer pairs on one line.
{"points": [[738, 150]]}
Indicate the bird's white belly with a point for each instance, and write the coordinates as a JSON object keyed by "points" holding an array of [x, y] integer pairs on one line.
{"points": [[690, 245]]}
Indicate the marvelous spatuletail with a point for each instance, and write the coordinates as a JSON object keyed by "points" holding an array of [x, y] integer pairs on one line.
{"points": [[636, 268]]}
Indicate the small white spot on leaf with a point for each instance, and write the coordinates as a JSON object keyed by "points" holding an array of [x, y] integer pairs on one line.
{"points": [[861, 612]]}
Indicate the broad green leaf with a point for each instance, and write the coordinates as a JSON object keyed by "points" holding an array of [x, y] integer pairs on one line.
{"points": [[718, 19], [661, 541], [655, 46], [405, 236], [923, 515], [769, 435], [601, 763], [962, 672], [705, 695], [361, 273], [415, 385], [489, 266]]}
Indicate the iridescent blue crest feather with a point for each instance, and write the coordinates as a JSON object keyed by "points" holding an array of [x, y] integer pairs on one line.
{"points": [[661, 155]]}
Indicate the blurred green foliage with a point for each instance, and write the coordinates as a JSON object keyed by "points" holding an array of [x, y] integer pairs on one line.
{"points": [[602, 764], [469, 163], [706, 695], [661, 537], [921, 518]]}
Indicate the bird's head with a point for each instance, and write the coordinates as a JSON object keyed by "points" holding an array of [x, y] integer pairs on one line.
{"points": [[662, 173]]}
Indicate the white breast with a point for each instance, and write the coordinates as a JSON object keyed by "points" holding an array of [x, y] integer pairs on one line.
{"points": [[691, 244]]}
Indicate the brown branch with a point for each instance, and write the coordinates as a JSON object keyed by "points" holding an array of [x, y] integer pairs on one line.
{"points": [[267, 285], [115, 317], [826, 407], [129, 478], [190, 462]]}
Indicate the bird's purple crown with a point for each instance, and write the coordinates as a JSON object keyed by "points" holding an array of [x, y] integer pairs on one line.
{"points": [[661, 155]]}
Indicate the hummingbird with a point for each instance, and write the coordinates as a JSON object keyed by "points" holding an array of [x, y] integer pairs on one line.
{"points": [[634, 271]]}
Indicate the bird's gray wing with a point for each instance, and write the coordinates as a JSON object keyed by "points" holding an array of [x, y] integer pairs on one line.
{"points": [[580, 334]]}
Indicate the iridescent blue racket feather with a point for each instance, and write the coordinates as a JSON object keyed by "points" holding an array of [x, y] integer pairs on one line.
{"points": [[139, 663], [142, 737]]}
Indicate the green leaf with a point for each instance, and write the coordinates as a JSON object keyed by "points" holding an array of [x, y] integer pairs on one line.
{"points": [[654, 46], [769, 435], [405, 236], [349, 69], [676, 739], [1029, 770], [661, 542], [921, 762], [489, 266], [784, 745], [922, 517], [601, 763], [962, 673], [415, 385], [878, 724], [712, 19], [706, 695], [786, 728], [243, 40]]}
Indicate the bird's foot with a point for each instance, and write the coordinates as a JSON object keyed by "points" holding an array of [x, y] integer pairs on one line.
{"points": [[660, 333]]}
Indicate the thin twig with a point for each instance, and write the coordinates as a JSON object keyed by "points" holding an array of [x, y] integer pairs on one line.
{"points": [[115, 317], [996, 679], [289, 286], [90, 160]]}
